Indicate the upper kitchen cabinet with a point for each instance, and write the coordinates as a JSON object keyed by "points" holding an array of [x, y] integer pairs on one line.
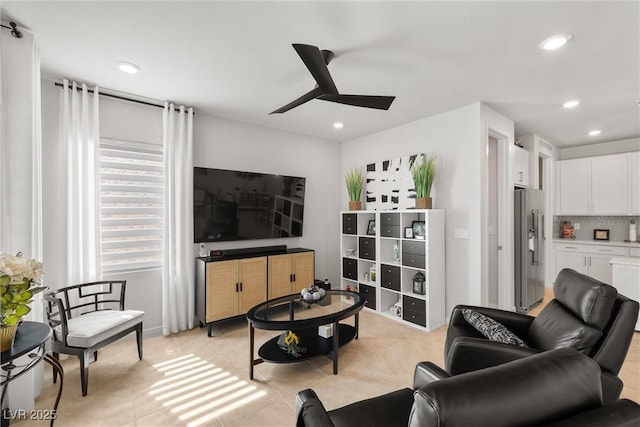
{"points": [[520, 166], [594, 185]]}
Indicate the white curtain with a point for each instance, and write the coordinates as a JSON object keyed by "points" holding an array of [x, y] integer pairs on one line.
{"points": [[178, 294], [80, 136]]}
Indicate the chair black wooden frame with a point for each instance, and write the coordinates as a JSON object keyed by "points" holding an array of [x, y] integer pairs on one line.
{"points": [[85, 299]]}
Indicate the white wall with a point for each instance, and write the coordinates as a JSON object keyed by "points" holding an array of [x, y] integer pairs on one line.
{"points": [[228, 144], [455, 137], [19, 198]]}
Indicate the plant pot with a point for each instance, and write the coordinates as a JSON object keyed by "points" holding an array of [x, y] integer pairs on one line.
{"points": [[7, 335], [423, 202], [355, 206]]}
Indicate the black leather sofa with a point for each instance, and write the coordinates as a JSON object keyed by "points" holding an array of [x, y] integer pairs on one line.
{"points": [[585, 314], [559, 388]]}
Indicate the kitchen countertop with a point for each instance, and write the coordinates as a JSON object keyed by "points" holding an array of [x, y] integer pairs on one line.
{"points": [[598, 242]]}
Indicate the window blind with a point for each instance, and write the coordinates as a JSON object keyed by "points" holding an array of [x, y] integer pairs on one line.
{"points": [[131, 197]]}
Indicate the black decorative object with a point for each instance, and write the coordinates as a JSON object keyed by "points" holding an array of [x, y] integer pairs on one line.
{"points": [[326, 90], [418, 283]]}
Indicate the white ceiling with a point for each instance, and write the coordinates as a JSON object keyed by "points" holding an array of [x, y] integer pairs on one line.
{"points": [[235, 60]]}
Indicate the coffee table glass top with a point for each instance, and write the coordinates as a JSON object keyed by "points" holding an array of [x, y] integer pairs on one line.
{"points": [[281, 312]]}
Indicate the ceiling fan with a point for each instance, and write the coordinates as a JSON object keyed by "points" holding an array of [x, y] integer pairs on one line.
{"points": [[316, 61]]}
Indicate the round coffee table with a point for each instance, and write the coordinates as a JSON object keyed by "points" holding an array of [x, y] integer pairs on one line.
{"points": [[290, 313]]}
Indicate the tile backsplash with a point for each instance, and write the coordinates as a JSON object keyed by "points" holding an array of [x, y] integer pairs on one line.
{"points": [[618, 226]]}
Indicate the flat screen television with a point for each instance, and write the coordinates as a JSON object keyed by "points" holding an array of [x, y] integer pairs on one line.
{"points": [[234, 205]]}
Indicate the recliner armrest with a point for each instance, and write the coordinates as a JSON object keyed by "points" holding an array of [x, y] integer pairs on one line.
{"points": [[309, 410], [427, 373], [468, 354]]}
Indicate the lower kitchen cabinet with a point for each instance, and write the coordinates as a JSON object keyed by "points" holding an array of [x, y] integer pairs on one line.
{"points": [[592, 260]]}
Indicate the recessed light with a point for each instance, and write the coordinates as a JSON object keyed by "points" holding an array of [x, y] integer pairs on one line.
{"points": [[571, 104], [128, 67], [338, 125], [594, 132], [554, 42]]}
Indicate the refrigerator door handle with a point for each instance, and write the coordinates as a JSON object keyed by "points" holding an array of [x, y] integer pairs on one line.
{"points": [[540, 236], [533, 238]]}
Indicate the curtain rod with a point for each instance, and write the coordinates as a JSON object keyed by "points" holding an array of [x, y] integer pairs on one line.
{"points": [[124, 98]]}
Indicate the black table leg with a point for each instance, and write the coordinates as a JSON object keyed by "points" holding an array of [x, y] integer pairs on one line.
{"points": [[57, 369], [251, 345], [357, 324], [336, 344]]}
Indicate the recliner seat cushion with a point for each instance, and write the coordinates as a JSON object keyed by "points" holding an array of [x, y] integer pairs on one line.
{"points": [[91, 328], [588, 299], [555, 327]]}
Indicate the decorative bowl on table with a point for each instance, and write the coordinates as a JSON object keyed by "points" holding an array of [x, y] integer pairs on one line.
{"points": [[312, 294]]}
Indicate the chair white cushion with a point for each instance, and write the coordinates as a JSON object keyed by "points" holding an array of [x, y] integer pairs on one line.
{"points": [[91, 328]]}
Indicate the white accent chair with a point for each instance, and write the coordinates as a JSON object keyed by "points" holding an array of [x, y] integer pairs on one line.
{"points": [[87, 317]]}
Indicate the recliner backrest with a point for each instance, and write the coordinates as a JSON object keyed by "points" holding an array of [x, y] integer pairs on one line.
{"points": [[577, 316], [534, 390]]}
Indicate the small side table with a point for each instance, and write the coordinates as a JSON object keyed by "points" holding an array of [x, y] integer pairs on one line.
{"points": [[30, 340]]}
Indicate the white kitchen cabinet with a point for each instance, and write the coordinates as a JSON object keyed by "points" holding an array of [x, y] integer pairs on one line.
{"points": [[574, 177], [592, 260], [609, 184], [520, 167], [594, 185], [634, 183]]}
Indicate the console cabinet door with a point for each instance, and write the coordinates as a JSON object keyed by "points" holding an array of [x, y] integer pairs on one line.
{"points": [[252, 275], [280, 275], [222, 296], [303, 272]]}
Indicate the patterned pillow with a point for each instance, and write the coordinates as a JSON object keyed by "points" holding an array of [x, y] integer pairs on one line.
{"points": [[491, 329]]}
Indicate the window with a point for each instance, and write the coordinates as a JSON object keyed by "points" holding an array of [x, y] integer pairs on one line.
{"points": [[131, 198]]}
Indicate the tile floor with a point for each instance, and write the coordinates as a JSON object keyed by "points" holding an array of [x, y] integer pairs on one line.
{"points": [[188, 379]]}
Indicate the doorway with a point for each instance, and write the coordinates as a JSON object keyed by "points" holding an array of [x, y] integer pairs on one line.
{"points": [[492, 223]]}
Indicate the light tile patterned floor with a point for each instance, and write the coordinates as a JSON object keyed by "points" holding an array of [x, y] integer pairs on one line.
{"points": [[188, 379]]}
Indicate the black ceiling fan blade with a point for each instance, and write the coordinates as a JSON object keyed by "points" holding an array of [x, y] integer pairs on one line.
{"points": [[315, 63], [312, 94], [367, 101]]}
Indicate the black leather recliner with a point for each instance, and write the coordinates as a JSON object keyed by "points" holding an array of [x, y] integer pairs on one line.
{"points": [[586, 315], [559, 388]]}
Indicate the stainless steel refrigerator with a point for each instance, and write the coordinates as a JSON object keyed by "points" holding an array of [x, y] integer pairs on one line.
{"points": [[529, 248]]}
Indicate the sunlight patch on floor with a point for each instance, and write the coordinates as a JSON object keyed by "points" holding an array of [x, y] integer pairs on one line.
{"points": [[198, 392]]}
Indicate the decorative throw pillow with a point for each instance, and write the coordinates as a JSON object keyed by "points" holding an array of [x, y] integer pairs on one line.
{"points": [[491, 329]]}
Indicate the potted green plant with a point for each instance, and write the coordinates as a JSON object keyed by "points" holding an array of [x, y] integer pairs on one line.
{"points": [[355, 182], [423, 173], [19, 280]]}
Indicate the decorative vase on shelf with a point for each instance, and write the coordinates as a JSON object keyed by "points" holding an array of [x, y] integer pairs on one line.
{"points": [[423, 202], [355, 206], [7, 335]]}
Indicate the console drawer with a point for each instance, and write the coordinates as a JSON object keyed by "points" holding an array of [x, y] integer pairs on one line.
{"points": [[390, 276], [349, 268]]}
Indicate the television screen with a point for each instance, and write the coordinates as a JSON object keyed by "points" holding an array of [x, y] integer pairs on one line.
{"points": [[234, 205]]}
